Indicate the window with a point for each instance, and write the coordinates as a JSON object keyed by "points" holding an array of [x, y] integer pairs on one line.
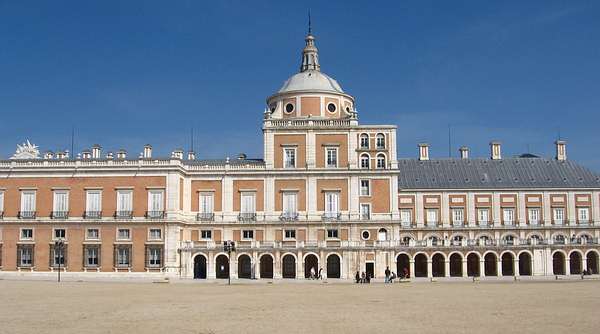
{"points": [[153, 256], [380, 141], [365, 188], [289, 108], [365, 161], [27, 204], [405, 217], [332, 154], [533, 215], [365, 235], [382, 234], [124, 202], [583, 215], [508, 216], [92, 255], [155, 203], [380, 161], [92, 234], [60, 233], [432, 217], [559, 239], [206, 234], [483, 216], [123, 234], [123, 256], [332, 233], [365, 211], [155, 234], [331, 108], [60, 205], [58, 256], [290, 234], [93, 203], [458, 216], [364, 141], [290, 204], [332, 204], [25, 255], [247, 234], [248, 202], [509, 240], [27, 234], [558, 215], [289, 158], [1, 203], [206, 205]]}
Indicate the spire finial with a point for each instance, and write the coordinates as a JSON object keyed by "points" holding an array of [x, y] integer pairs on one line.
{"points": [[310, 56], [309, 23]]}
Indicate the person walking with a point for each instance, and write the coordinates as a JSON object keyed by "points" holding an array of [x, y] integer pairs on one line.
{"points": [[363, 278], [387, 274], [312, 273], [357, 277], [320, 273]]}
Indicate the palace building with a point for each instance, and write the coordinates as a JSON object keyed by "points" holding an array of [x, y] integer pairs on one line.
{"points": [[329, 193]]}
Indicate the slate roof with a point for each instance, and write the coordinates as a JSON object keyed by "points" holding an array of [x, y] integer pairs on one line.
{"points": [[494, 174]]}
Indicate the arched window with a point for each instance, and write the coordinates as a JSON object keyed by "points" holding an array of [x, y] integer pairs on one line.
{"points": [[406, 240], [534, 239], [380, 141], [457, 240], [559, 239], [382, 234], [380, 161], [364, 141], [434, 240], [484, 240], [365, 161], [509, 240]]}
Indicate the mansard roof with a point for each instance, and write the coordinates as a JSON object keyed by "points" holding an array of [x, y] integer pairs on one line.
{"points": [[494, 174]]}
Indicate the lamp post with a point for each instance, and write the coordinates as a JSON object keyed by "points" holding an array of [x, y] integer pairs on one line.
{"points": [[58, 249], [229, 246]]}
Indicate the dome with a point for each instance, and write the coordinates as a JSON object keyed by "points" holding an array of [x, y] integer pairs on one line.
{"points": [[310, 80]]}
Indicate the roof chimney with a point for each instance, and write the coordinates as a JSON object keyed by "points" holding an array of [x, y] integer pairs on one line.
{"points": [[464, 152], [121, 154], [147, 151], [86, 154], [96, 151], [561, 150], [177, 154], [423, 151], [191, 155], [48, 155], [496, 151]]}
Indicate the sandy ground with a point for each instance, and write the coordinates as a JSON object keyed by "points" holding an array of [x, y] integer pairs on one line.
{"points": [[484, 307]]}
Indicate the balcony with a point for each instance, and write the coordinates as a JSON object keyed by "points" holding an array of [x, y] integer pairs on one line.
{"points": [[247, 217], [205, 217], [331, 216], [123, 214], [155, 215], [289, 217], [59, 215], [26, 214], [92, 215]]}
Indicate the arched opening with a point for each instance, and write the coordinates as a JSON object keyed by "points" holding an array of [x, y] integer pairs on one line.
{"points": [[575, 263], [266, 266], [199, 267], [490, 264], [456, 265], [365, 161], [244, 266], [403, 266], [364, 141], [311, 262], [420, 265], [380, 141], [380, 161], [333, 266], [288, 269], [592, 263], [222, 266], [525, 264], [558, 263], [382, 234], [473, 265], [438, 265], [508, 261]]}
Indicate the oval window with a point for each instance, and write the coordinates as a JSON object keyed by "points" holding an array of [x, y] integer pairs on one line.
{"points": [[331, 107], [366, 235], [289, 108]]}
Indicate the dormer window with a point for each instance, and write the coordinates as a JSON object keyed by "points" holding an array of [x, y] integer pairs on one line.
{"points": [[364, 141]]}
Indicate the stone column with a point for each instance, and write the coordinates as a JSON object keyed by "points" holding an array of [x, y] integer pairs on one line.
{"points": [[482, 267], [411, 268], [210, 266], [429, 268], [516, 265], [584, 262], [233, 266], [567, 265], [499, 266], [447, 268], [300, 266], [464, 268]]}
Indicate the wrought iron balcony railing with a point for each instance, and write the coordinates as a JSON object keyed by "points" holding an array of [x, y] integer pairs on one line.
{"points": [[247, 217], [59, 214], [26, 214], [92, 215], [123, 214], [155, 214], [331, 216], [205, 216], [289, 216]]}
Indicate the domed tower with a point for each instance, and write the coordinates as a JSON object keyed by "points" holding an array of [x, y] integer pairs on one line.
{"points": [[310, 93]]}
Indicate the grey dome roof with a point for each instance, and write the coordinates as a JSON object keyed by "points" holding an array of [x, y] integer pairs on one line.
{"points": [[312, 80]]}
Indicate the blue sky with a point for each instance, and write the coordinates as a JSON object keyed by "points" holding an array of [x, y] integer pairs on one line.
{"points": [[127, 73]]}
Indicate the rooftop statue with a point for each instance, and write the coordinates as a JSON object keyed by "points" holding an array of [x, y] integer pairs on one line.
{"points": [[26, 150]]}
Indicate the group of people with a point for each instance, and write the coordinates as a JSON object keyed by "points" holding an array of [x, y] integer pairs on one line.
{"points": [[315, 276], [390, 276]]}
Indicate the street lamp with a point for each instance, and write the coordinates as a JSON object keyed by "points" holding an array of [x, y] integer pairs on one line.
{"points": [[58, 253], [229, 246]]}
